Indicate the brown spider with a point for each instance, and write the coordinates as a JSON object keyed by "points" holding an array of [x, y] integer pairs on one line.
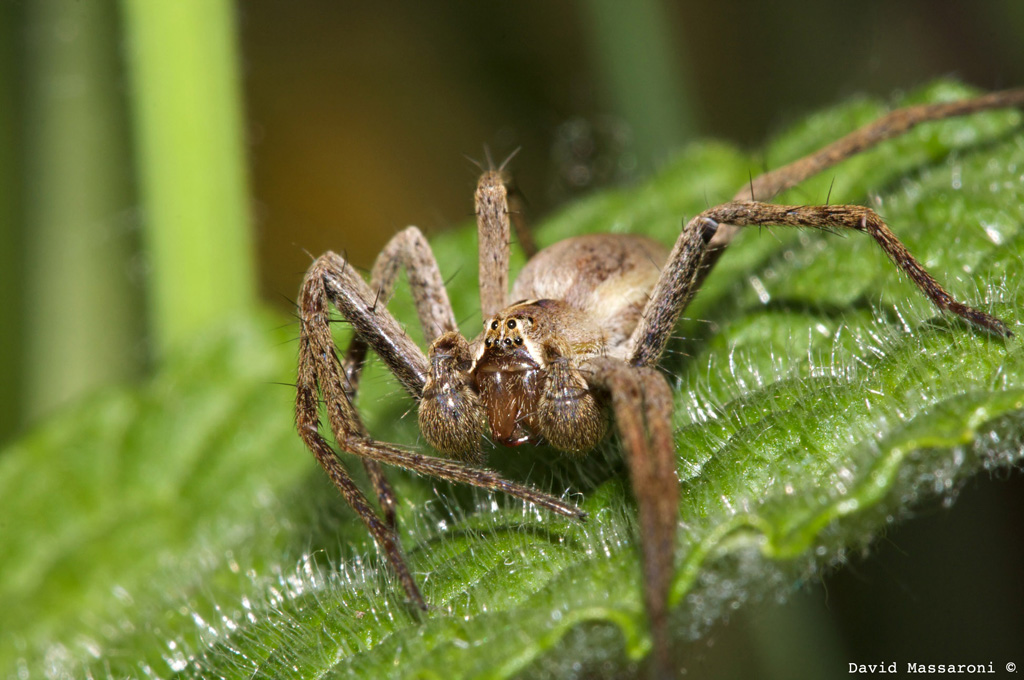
{"points": [[578, 337]]}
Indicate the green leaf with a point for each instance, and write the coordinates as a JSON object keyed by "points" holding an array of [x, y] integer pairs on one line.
{"points": [[179, 528]]}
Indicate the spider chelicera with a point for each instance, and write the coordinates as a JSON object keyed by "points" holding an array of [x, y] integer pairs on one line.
{"points": [[572, 348]]}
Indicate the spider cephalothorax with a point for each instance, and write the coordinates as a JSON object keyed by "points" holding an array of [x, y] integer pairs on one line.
{"points": [[526, 371], [578, 350]]}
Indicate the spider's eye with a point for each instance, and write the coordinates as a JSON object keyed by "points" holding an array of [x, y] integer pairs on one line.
{"points": [[494, 325], [519, 341], [511, 323], [487, 342]]}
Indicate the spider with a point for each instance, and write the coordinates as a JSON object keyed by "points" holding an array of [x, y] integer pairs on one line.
{"points": [[573, 348]]}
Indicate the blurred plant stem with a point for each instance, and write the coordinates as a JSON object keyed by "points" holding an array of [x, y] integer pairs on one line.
{"points": [[186, 105], [81, 321], [633, 57], [11, 271]]}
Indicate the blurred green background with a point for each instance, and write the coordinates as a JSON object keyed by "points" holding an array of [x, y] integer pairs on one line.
{"points": [[331, 125]]}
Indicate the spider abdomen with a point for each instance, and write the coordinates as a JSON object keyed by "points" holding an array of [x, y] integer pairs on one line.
{"points": [[608, 277]]}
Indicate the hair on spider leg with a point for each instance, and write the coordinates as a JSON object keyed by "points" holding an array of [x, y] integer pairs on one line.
{"points": [[292, 303], [286, 341], [674, 352], [296, 317], [508, 159], [376, 298], [280, 384], [489, 167], [463, 320], [479, 166], [451, 277]]}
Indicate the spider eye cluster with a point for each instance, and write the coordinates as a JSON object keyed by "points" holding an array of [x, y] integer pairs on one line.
{"points": [[507, 332]]}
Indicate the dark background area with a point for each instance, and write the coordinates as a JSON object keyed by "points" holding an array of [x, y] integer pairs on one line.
{"points": [[361, 115]]}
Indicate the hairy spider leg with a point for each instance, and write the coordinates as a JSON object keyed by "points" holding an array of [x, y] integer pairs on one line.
{"points": [[642, 403], [895, 123], [330, 280], [697, 249], [407, 249]]}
